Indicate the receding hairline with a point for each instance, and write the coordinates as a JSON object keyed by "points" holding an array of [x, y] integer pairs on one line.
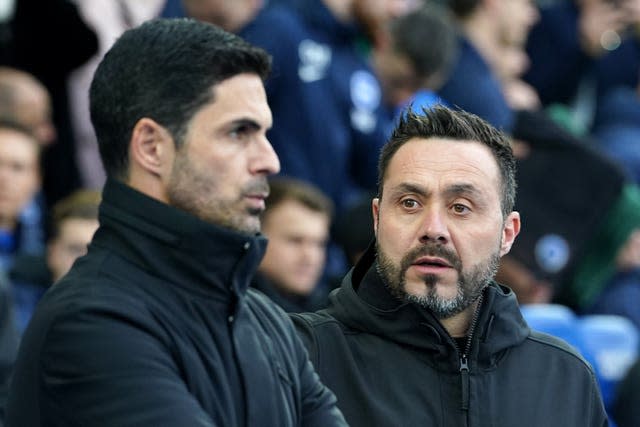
{"points": [[446, 140]]}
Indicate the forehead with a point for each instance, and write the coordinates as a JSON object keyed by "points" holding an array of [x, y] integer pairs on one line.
{"points": [[16, 145], [240, 96], [291, 217], [444, 161]]}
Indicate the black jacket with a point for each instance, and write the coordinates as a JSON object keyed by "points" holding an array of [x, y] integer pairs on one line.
{"points": [[317, 300], [155, 327], [392, 364]]}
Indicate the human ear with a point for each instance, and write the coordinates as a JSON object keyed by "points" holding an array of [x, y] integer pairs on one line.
{"points": [[510, 230], [151, 147], [375, 211]]}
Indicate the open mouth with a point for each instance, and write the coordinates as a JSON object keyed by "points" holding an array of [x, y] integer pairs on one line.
{"points": [[432, 262]]}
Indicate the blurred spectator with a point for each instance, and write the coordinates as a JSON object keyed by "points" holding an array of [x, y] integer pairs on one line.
{"points": [[49, 39], [108, 19], [74, 219], [24, 100], [557, 257], [626, 411], [8, 342], [296, 222], [354, 229], [19, 183], [231, 15], [584, 46], [326, 102], [490, 30], [622, 292], [410, 70], [616, 128]]}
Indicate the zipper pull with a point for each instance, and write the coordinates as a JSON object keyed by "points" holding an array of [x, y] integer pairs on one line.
{"points": [[464, 377]]}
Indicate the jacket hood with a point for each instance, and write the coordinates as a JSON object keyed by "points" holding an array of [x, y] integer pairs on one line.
{"points": [[500, 324], [175, 245]]}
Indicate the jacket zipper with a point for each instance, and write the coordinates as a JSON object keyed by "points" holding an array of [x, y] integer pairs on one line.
{"points": [[464, 361]]}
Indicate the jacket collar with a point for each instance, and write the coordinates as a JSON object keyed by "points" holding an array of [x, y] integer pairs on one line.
{"points": [[176, 246], [500, 324]]}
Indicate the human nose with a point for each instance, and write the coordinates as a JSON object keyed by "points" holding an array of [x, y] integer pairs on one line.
{"points": [[434, 227], [266, 161]]}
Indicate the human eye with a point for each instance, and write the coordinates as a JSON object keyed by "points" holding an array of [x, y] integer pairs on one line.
{"points": [[460, 208], [409, 204], [239, 132], [242, 130]]}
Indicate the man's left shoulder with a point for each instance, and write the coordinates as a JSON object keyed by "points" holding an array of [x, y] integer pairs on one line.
{"points": [[554, 349]]}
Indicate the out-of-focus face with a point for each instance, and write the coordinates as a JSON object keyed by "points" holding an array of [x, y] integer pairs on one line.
{"points": [[228, 14], [33, 111], [220, 173], [373, 15], [396, 74], [19, 174], [439, 225], [71, 243], [515, 19], [295, 256]]}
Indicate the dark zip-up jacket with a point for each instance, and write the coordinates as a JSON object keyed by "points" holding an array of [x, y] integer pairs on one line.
{"points": [[392, 364], [155, 327]]}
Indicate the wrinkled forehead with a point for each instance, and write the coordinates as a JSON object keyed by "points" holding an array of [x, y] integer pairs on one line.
{"points": [[444, 161]]}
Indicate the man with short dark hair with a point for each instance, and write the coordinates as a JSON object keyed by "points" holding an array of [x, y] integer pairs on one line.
{"points": [[296, 221], [155, 325], [419, 333]]}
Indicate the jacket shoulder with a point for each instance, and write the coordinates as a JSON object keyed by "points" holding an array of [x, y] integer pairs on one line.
{"points": [[560, 347], [316, 330]]}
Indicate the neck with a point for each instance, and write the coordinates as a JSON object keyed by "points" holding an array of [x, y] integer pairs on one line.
{"points": [[458, 326]]}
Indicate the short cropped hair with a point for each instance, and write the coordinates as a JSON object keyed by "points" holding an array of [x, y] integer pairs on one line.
{"points": [[285, 188], [166, 70], [442, 122], [81, 204]]}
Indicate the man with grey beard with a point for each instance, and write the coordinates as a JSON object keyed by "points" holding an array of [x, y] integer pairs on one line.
{"points": [[419, 332]]}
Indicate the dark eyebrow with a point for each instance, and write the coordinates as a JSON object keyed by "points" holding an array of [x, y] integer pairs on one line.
{"points": [[463, 190], [244, 122], [407, 187]]}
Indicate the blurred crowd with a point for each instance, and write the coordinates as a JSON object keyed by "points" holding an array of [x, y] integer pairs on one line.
{"points": [[561, 77]]}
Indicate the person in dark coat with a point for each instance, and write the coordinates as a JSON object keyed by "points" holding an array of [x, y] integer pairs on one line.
{"points": [[625, 409], [155, 326], [421, 309]]}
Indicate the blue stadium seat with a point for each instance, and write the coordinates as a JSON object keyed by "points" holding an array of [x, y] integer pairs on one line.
{"points": [[614, 343], [554, 319]]}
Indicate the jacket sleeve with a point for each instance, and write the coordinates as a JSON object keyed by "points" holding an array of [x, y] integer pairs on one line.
{"points": [[318, 402], [108, 367]]}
